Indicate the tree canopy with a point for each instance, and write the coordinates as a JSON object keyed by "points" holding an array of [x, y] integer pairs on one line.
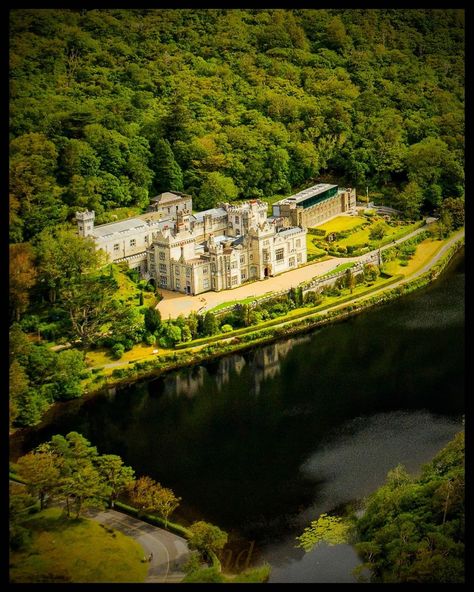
{"points": [[110, 105], [413, 528]]}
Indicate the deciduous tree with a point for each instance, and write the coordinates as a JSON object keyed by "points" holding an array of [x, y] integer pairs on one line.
{"points": [[216, 188], [206, 538], [332, 530], [22, 278]]}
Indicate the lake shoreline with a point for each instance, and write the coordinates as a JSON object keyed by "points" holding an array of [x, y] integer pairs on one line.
{"points": [[336, 314]]}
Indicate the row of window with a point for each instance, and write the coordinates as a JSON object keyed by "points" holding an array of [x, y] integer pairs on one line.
{"points": [[132, 243]]}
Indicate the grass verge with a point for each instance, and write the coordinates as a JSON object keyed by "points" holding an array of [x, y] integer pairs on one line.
{"points": [[76, 551]]}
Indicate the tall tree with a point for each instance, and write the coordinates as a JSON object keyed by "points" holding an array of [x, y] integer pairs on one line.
{"points": [[42, 473], [116, 475], [210, 324], [33, 162], [88, 302], [22, 278], [63, 256], [216, 188], [410, 200], [152, 319], [168, 173], [68, 369], [18, 388], [84, 487]]}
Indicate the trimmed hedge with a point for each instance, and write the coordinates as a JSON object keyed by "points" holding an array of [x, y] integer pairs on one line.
{"points": [[152, 519]]}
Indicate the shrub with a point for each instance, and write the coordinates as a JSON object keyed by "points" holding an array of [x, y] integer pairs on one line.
{"points": [[316, 231], [378, 231], [117, 351], [150, 339], [127, 344], [226, 328], [30, 323], [133, 275], [312, 298]]}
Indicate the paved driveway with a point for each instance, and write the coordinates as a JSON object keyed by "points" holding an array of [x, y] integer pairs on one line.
{"points": [[169, 550], [175, 303]]}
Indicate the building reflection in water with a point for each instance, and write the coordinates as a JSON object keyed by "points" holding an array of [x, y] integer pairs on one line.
{"points": [[186, 382], [264, 364], [268, 359]]}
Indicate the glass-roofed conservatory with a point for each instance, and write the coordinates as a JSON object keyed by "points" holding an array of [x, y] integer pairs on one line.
{"points": [[311, 196]]}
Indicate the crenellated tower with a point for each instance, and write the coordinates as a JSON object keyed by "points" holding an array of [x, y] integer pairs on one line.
{"points": [[85, 223]]}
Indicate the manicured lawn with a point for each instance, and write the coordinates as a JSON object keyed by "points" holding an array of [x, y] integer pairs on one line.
{"points": [[233, 302], [311, 248], [424, 252], [362, 236], [100, 357], [341, 223], [79, 551]]}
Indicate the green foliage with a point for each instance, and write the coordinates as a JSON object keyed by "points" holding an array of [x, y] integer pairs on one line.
{"points": [[68, 370], [378, 231], [312, 298], [210, 324], [413, 529], [150, 339], [152, 319], [63, 257], [22, 278], [452, 210], [42, 473], [204, 575], [168, 173], [332, 530], [216, 188], [117, 351], [117, 475], [171, 334], [410, 199], [107, 105], [226, 328], [371, 272], [206, 538]]}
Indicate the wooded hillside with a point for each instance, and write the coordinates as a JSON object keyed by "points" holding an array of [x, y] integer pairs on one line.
{"points": [[110, 107]]}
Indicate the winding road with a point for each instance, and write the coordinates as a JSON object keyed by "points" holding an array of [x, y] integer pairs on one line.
{"points": [[169, 550]]}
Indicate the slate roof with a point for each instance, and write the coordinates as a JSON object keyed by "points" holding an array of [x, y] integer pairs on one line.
{"points": [[214, 212]]}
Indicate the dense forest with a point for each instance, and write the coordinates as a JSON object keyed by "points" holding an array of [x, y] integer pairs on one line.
{"points": [[110, 107], [413, 528]]}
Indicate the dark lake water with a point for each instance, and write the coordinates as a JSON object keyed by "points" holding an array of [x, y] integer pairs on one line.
{"points": [[262, 443]]}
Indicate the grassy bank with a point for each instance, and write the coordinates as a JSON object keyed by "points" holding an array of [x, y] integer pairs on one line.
{"points": [[76, 551]]}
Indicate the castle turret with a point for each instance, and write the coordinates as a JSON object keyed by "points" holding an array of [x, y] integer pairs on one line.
{"points": [[85, 223]]}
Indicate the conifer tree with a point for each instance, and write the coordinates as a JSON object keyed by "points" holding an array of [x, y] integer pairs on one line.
{"points": [[168, 173]]}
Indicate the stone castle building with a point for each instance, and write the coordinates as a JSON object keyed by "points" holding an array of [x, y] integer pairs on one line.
{"points": [[315, 205], [217, 249]]}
